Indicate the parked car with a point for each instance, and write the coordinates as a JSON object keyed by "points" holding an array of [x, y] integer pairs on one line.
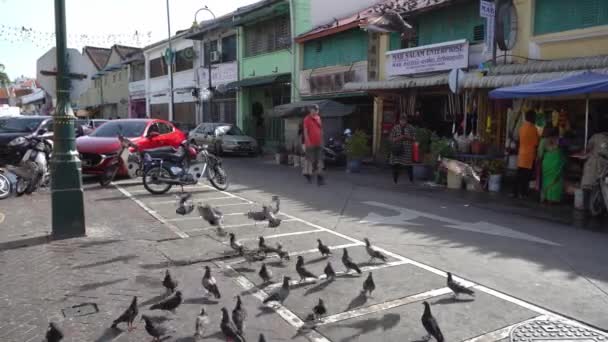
{"points": [[12, 127], [223, 138], [96, 150]]}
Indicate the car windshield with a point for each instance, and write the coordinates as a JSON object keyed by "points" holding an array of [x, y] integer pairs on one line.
{"points": [[229, 130], [19, 125], [129, 129]]}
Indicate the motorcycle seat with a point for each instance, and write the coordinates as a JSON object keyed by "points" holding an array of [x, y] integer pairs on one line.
{"points": [[165, 153]]}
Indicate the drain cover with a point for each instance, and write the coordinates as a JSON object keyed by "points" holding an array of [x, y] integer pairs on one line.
{"points": [[554, 331], [80, 310]]}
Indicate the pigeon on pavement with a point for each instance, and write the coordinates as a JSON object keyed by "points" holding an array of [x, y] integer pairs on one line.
{"points": [[239, 315], [262, 338], [169, 304], [430, 324], [373, 253], [368, 285], [348, 262], [265, 273], [302, 271], [169, 283], [213, 216], [209, 283], [229, 329], [273, 220], [154, 328], [184, 206], [262, 247], [202, 321], [319, 310], [283, 254], [458, 288], [128, 316], [280, 294], [323, 249], [276, 201], [256, 216], [237, 246], [53, 333], [329, 272]]}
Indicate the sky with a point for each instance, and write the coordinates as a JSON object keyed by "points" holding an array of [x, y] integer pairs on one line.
{"points": [[27, 26]]}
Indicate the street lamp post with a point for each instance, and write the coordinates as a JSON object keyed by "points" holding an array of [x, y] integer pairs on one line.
{"points": [[170, 66], [66, 180], [207, 57]]}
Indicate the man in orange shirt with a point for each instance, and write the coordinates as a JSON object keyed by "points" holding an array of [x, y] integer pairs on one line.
{"points": [[528, 141], [313, 142]]}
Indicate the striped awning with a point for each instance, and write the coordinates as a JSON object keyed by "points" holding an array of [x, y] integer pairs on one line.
{"points": [[475, 80], [399, 83]]}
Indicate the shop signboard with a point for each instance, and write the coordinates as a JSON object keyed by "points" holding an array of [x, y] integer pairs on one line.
{"points": [[220, 74], [428, 58]]}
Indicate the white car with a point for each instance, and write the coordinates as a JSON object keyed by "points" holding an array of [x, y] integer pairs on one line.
{"points": [[224, 138]]}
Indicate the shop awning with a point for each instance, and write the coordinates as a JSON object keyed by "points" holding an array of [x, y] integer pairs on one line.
{"points": [[585, 83], [399, 83], [258, 81], [476, 80], [327, 109]]}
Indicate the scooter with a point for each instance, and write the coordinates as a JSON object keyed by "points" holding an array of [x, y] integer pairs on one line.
{"points": [[120, 159], [334, 152], [32, 170]]}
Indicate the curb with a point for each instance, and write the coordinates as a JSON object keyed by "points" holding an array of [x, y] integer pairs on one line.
{"points": [[26, 242]]}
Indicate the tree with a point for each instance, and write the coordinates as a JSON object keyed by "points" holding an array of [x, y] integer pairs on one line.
{"points": [[4, 80]]}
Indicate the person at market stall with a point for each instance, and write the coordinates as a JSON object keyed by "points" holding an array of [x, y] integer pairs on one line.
{"points": [[552, 163], [313, 141], [402, 140], [528, 142]]}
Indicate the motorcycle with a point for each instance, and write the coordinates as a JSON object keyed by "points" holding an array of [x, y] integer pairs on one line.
{"points": [[122, 157], [5, 185], [335, 150], [184, 166], [31, 155]]}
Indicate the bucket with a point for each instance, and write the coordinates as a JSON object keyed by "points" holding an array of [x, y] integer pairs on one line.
{"points": [[454, 180], [494, 183], [579, 199]]}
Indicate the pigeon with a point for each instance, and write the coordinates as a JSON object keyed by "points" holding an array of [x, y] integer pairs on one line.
{"points": [[257, 216], [373, 253], [430, 324], [169, 304], [280, 294], [237, 246], [169, 283], [302, 271], [273, 221], [239, 314], [262, 247], [229, 329], [276, 201], [252, 256], [212, 215], [458, 288], [184, 206], [283, 254], [202, 321], [265, 274], [323, 249], [128, 316], [319, 310], [329, 272], [262, 338], [53, 333], [348, 262], [154, 329], [209, 283], [368, 285]]}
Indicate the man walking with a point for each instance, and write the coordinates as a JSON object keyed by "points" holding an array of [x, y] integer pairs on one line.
{"points": [[528, 141], [313, 142]]}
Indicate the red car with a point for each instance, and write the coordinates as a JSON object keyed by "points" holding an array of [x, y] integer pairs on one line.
{"points": [[97, 148]]}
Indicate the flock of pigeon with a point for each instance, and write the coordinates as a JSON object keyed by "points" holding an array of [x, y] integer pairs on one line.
{"points": [[232, 326]]}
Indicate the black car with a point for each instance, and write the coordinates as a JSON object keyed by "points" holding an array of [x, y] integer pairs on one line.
{"points": [[18, 126]]}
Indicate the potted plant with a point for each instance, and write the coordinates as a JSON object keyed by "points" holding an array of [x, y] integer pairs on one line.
{"points": [[356, 150], [423, 169], [496, 169], [442, 148]]}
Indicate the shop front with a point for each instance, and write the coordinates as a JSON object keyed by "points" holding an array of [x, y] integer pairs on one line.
{"points": [[223, 101]]}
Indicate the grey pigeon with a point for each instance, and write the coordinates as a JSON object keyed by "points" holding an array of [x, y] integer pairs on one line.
{"points": [[256, 216], [283, 254], [169, 304], [262, 338], [237, 246], [276, 201], [348, 262], [209, 283], [302, 271], [201, 323], [169, 283], [430, 324], [228, 328], [154, 328], [368, 285], [239, 315], [263, 247], [53, 333], [184, 207], [458, 288], [323, 249], [128, 316], [319, 310], [273, 220], [329, 272], [252, 256], [265, 273], [373, 253], [280, 294], [212, 215]]}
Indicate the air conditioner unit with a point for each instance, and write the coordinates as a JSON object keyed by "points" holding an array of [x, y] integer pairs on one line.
{"points": [[215, 56]]}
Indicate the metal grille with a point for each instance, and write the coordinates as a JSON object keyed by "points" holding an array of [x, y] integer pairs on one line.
{"points": [[267, 36], [479, 33]]}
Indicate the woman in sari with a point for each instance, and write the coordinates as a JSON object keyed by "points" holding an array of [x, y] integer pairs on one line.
{"points": [[552, 163]]}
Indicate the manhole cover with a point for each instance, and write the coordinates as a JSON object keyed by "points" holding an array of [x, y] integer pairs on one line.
{"points": [[554, 331], [80, 310]]}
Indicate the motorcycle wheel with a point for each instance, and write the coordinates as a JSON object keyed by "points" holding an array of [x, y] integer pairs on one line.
{"points": [[5, 187], [218, 177], [107, 178], [151, 180], [21, 186], [596, 202]]}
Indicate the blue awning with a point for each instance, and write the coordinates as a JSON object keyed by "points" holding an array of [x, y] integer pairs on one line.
{"points": [[585, 83]]}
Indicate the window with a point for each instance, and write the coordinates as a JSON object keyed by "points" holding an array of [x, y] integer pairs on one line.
{"points": [[229, 48], [209, 47], [163, 128], [138, 72], [184, 59], [342, 48], [267, 36], [159, 111], [455, 22], [562, 15], [158, 67]]}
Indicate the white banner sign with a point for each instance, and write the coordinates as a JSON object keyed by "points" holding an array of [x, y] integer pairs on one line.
{"points": [[487, 9], [429, 58], [220, 74]]}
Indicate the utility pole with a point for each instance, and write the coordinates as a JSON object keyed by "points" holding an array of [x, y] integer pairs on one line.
{"points": [[66, 181], [207, 57], [170, 65]]}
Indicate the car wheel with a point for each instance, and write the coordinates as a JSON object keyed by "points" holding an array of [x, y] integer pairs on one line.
{"points": [[5, 186]]}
